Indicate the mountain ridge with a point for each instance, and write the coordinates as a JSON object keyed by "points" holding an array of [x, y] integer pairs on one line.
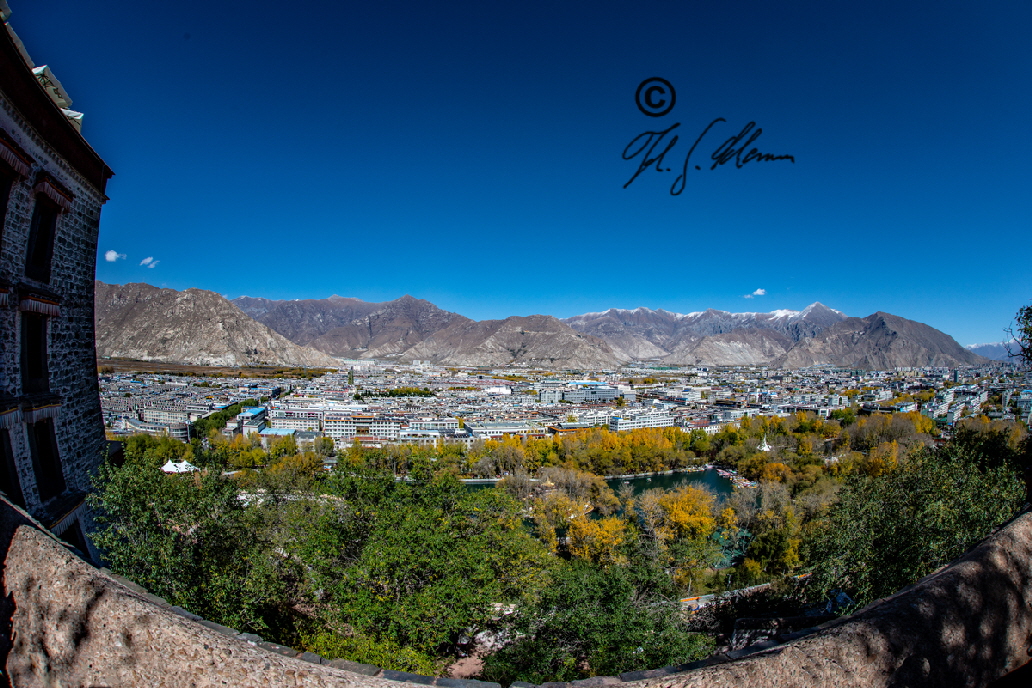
{"points": [[409, 328], [195, 327]]}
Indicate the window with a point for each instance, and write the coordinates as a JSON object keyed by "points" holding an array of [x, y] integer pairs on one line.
{"points": [[74, 537], [35, 371], [9, 483], [7, 178], [45, 460], [41, 239]]}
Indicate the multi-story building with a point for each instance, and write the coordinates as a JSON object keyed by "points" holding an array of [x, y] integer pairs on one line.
{"points": [[301, 419], [51, 190], [641, 420], [164, 416]]}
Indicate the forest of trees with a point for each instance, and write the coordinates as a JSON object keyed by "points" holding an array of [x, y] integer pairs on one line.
{"points": [[581, 579]]}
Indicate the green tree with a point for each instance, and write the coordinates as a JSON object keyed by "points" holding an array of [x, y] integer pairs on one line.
{"points": [[186, 538], [888, 531], [596, 620], [420, 564], [1022, 334]]}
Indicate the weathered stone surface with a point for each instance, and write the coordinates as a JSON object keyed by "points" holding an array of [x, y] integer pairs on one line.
{"points": [[348, 665], [185, 614], [407, 677], [311, 657], [596, 682], [219, 628], [469, 683]]}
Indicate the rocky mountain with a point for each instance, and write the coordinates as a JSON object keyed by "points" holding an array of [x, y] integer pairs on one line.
{"points": [[390, 330], [140, 321], [536, 340], [302, 320], [408, 329], [196, 327], [881, 341], [751, 346], [997, 351], [644, 333]]}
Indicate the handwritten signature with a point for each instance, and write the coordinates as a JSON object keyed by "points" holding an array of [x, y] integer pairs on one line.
{"points": [[729, 151]]}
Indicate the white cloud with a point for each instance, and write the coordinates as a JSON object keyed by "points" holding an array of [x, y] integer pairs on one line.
{"points": [[154, 264], [758, 292], [147, 260], [112, 256]]}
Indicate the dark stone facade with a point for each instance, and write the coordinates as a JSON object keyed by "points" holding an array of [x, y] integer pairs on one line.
{"points": [[51, 191]]}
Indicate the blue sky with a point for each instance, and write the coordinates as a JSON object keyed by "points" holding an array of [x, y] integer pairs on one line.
{"points": [[469, 153]]}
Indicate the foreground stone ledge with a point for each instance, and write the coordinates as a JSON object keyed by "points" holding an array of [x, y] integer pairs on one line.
{"points": [[75, 625]]}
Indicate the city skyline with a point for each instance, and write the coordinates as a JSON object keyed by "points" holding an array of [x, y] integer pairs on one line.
{"points": [[471, 155]]}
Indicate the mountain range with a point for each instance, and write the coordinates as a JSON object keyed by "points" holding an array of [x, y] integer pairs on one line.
{"points": [[997, 351], [195, 326]]}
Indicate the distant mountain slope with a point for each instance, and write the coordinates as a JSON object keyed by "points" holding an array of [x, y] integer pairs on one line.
{"points": [[753, 346], [880, 341], [997, 351], [390, 330], [141, 321], [538, 340], [303, 320], [643, 333], [196, 327]]}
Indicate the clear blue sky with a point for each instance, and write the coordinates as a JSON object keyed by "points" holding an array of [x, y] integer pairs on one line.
{"points": [[469, 153]]}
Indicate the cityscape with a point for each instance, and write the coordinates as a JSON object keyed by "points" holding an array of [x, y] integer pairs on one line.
{"points": [[358, 404], [199, 490]]}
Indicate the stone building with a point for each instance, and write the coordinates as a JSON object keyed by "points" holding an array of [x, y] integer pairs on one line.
{"points": [[51, 191]]}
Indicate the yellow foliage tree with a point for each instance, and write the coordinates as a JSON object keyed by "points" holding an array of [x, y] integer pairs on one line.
{"points": [[688, 512], [776, 472], [598, 541]]}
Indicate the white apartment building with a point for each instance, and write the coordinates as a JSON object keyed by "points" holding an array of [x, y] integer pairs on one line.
{"points": [[343, 426], [641, 420], [300, 419], [164, 416]]}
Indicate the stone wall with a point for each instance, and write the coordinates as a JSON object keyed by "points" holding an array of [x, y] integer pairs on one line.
{"points": [[40, 144], [71, 624]]}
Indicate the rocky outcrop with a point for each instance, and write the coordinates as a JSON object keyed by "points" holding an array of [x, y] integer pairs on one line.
{"points": [[880, 341], [642, 333], [739, 347], [302, 320], [536, 340], [195, 327], [409, 329], [391, 330]]}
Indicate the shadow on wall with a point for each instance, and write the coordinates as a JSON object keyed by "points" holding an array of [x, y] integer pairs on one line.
{"points": [[64, 622]]}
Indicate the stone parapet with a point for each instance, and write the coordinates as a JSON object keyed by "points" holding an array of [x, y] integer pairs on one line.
{"points": [[65, 622]]}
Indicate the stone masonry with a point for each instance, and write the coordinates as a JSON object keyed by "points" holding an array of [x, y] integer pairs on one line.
{"points": [[45, 161]]}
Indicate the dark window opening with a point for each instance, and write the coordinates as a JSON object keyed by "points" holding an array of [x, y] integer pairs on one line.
{"points": [[35, 369], [41, 239], [75, 537], [9, 483], [45, 460], [7, 178]]}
